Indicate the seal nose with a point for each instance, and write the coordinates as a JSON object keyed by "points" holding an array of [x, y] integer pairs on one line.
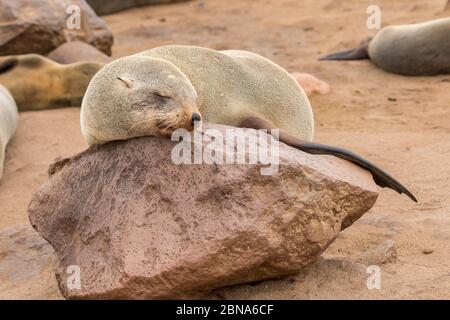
{"points": [[196, 117]]}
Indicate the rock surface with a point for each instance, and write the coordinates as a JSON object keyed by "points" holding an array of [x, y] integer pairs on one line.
{"points": [[110, 6], [26, 261], [139, 226], [39, 26], [76, 51]]}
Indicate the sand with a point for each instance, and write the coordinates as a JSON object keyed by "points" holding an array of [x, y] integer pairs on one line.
{"points": [[401, 123]]}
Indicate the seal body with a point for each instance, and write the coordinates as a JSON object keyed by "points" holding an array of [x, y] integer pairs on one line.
{"points": [[421, 49], [37, 83], [233, 85], [8, 122], [414, 49], [225, 86], [170, 87]]}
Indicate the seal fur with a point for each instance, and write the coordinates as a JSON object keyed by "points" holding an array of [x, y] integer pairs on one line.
{"points": [[38, 83], [8, 122], [421, 49]]}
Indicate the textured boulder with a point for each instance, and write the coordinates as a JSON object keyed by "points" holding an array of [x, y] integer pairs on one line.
{"points": [[39, 26], [110, 6], [139, 226]]}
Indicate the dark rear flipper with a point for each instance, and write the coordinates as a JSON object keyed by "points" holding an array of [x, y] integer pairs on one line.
{"points": [[360, 53], [381, 177]]}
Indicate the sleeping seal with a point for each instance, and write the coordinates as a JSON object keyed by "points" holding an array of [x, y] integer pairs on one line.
{"points": [[170, 87], [421, 49], [8, 122], [38, 83]]}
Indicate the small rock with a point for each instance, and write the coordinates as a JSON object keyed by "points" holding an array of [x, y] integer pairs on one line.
{"points": [[310, 84], [39, 26], [76, 51], [427, 250]]}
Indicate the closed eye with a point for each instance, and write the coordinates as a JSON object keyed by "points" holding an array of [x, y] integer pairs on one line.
{"points": [[159, 95]]}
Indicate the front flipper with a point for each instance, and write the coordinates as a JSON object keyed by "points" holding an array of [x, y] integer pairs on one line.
{"points": [[381, 177]]}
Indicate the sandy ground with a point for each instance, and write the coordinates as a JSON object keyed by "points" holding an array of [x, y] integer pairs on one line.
{"points": [[401, 123]]}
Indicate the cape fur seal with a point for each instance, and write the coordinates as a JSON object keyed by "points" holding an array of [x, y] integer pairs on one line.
{"points": [[414, 49], [8, 122], [159, 90], [38, 83]]}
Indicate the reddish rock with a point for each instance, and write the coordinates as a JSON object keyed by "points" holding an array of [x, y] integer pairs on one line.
{"points": [[310, 84], [141, 227], [39, 26]]}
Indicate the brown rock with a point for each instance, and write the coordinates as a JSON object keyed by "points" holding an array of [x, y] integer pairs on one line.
{"points": [[76, 51], [102, 7], [39, 26], [139, 226]]}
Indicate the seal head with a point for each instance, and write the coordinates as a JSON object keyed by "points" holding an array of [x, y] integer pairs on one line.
{"points": [[137, 96]]}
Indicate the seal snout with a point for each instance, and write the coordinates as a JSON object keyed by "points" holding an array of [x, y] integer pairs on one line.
{"points": [[195, 117]]}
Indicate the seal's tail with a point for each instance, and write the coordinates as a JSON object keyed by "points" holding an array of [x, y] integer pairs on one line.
{"points": [[381, 177]]}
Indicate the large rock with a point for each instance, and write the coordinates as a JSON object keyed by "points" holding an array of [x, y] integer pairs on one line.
{"points": [[39, 26], [102, 7], [139, 226]]}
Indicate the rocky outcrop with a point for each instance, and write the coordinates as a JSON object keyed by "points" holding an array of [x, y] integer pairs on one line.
{"points": [[39, 26], [139, 226], [102, 7]]}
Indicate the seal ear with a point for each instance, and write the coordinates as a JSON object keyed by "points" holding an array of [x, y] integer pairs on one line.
{"points": [[128, 82], [8, 64]]}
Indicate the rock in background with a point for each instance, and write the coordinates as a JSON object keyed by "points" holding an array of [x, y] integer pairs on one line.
{"points": [[39, 26], [77, 51], [102, 7], [141, 227]]}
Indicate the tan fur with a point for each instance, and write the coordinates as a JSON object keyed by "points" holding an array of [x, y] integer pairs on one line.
{"points": [[414, 49], [127, 99], [8, 122], [38, 83], [229, 86]]}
